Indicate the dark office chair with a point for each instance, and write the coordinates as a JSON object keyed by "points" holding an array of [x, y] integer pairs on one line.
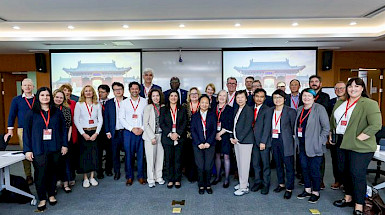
{"points": [[380, 135]]}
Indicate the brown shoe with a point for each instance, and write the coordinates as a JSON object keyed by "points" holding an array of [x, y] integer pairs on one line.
{"points": [[335, 186], [142, 181], [322, 186], [129, 182], [29, 180]]}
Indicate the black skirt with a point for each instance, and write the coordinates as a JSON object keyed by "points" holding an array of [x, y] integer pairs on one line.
{"points": [[223, 146], [88, 150]]}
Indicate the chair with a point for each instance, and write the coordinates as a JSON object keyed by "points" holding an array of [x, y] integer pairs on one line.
{"points": [[380, 135]]}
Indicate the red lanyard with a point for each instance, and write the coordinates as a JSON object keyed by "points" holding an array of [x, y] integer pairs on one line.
{"points": [[46, 121], [204, 125], [173, 115], [192, 109], [295, 105], [275, 119], [231, 99], [302, 119], [61, 107], [316, 98], [156, 109], [89, 112], [133, 105], [117, 101], [348, 107], [220, 112], [29, 105]]}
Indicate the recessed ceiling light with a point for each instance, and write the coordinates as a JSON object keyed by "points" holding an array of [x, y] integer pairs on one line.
{"points": [[71, 27], [125, 26], [295, 24], [182, 26], [237, 25], [353, 23], [16, 27]]}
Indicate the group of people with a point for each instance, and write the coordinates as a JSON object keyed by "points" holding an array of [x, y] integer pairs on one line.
{"points": [[187, 132]]}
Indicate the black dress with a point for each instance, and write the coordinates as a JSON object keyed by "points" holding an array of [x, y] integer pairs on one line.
{"points": [[226, 119]]}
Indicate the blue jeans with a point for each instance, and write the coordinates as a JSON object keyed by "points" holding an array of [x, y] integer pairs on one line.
{"points": [[311, 170]]}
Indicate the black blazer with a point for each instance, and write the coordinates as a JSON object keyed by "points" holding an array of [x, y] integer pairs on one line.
{"points": [[165, 122], [197, 128], [260, 124], [154, 86], [287, 129], [244, 126], [182, 97]]}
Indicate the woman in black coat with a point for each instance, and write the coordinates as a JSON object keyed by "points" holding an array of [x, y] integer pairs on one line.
{"points": [[173, 122]]}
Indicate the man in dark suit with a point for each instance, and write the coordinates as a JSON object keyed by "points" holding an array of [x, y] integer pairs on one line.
{"points": [[339, 90], [268, 101], [114, 130], [261, 153], [249, 90], [175, 84], [145, 88]]}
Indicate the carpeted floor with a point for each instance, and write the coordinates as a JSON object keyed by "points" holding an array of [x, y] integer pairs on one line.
{"points": [[113, 197]]}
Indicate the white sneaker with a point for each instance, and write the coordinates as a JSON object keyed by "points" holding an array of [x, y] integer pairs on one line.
{"points": [[151, 185], [93, 182], [241, 192], [86, 183], [236, 187], [160, 181]]}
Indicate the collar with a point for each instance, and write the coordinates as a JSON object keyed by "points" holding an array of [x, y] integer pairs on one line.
{"points": [[148, 87], [259, 106], [294, 95], [101, 101], [203, 114], [25, 96]]}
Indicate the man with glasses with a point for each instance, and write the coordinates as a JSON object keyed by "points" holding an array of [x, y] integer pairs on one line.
{"points": [[148, 75], [281, 86], [175, 84]]}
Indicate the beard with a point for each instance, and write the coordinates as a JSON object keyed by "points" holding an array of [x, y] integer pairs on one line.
{"points": [[315, 87]]}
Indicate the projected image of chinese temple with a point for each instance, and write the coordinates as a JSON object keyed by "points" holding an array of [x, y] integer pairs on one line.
{"points": [[93, 74], [270, 73]]}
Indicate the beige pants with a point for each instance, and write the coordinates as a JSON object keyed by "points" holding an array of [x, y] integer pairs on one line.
{"points": [[243, 156], [26, 163], [154, 158]]}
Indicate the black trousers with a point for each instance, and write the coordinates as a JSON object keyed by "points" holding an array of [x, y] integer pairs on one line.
{"points": [[172, 158], [66, 170], [204, 159], [261, 165], [117, 146], [46, 166], [188, 160], [283, 163], [104, 144], [334, 156]]}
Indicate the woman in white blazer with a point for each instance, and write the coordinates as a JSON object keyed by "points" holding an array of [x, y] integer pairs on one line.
{"points": [[152, 137]]}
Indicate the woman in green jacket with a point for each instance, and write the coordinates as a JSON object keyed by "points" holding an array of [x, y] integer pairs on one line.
{"points": [[355, 121]]}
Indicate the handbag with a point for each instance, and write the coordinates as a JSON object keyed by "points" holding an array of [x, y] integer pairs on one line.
{"points": [[374, 205]]}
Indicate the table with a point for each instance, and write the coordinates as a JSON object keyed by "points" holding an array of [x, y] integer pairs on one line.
{"points": [[5, 182], [380, 156]]}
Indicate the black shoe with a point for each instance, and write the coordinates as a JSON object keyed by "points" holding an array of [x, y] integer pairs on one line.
{"points": [[209, 190], [52, 203], [177, 186], [265, 190], [313, 198], [303, 195], [357, 212], [216, 181], [301, 182], [201, 190], [343, 203], [169, 186], [109, 174], [256, 187], [279, 189], [42, 208], [287, 195], [67, 189], [100, 176], [226, 184], [117, 176]]}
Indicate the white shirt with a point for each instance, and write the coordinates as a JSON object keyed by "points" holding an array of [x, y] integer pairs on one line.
{"points": [[204, 115], [231, 99], [118, 125], [236, 120], [82, 117], [258, 107], [276, 114], [29, 97], [340, 112], [146, 90], [101, 101], [126, 113]]}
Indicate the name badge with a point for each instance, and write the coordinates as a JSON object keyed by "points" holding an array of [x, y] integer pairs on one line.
{"points": [[134, 116], [90, 121], [219, 126], [173, 128], [47, 134], [344, 123], [299, 132], [275, 133]]}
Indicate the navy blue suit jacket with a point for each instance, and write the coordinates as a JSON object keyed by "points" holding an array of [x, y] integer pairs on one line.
{"points": [[260, 124], [183, 95], [197, 128], [109, 118], [154, 86]]}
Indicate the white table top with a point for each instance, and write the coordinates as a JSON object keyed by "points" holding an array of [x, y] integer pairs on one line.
{"points": [[9, 160], [380, 155]]}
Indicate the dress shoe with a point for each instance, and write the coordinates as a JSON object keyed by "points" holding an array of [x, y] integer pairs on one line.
{"points": [[322, 185], [117, 176], [313, 198], [170, 185], [177, 186], [265, 190], [52, 203], [41, 208], [226, 184], [142, 181], [100, 176], [357, 212], [301, 182], [343, 203], [209, 190], [241, 192], [201, 190], [67, 189], [335, 186], [303, 195], [287, 194], [216, 181], [129, 182], [256, 187], [109, 174], [279, 189], [29, 180]]}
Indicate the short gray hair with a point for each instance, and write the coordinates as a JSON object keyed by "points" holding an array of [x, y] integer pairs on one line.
{"points": [[148, 70]]}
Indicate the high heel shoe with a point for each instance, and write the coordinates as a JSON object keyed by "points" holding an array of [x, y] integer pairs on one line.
{"points": [[226, 184]]}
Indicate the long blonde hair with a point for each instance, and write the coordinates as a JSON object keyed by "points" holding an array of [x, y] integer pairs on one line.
{"points": [[65, 102], [94, 96]]}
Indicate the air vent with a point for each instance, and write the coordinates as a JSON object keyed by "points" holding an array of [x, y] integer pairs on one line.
{"points": [[318, 41], [374, 12]]}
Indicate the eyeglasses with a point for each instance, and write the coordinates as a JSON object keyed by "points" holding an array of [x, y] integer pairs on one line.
{"points": [[194, 94], [277, 97]]}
